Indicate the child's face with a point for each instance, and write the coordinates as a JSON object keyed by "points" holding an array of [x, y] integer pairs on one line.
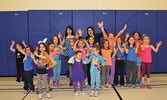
{"points": [[18, 46], [42, 48], [71, 42], [55, 40], [79, 56], [51, 47], [131, 40], [90, 31], [119, 41], [106, 44], [111, 36], [28, 50], [69, 31], [81, 44], [95, 51], [91, 40], [136, 36], [146, 40]]}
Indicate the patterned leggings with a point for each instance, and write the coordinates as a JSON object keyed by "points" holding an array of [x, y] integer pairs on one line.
{"points": [[95, 79], [43, 77], [56, 71]]}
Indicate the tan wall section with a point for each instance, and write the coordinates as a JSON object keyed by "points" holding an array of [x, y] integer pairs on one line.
{"points": [[19, 5]]}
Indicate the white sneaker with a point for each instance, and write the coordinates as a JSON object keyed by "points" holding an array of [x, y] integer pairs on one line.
{"points": [[48, 95], [82, 93], [40, 95], [96, 93], [76, 93], [92, 93], [108, 85], [103, 87]]}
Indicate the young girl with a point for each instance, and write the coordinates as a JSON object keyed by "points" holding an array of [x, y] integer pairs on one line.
{"points": [[52, 53], [78, 74], [66, 40], [137, 36], [120, 56], [42, 72], [131, 50], [57, 68], [71, 54], [96, 61], [106, 53], [112, 39], [146, 59], [91, 43], [81, 43], [28, 69], [19, 60]]}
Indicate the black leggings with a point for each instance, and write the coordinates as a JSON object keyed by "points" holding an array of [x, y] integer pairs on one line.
{"points": [[67, 66], [20, 71], [119, 64]]}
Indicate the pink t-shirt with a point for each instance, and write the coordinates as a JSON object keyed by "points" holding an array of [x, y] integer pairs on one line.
{"points": [[83, 51], [146, 55], [51, 54]]}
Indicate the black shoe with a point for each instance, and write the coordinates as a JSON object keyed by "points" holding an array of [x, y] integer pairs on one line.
{"points": [[50, 89], [71, 84], [37, 92]]}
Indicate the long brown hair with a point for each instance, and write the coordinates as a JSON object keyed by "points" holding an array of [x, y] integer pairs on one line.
{"points": [[97, 47], [105, 40], [39, 52]]}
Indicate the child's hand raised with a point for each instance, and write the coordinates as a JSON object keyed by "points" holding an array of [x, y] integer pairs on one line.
{"points": [[100, 25], [125, 26], [127, 35], [80, 32], [159, 44], [84, 40], [13, 42], [35, 53], [59, 35], [124, 44], [23, 42]]}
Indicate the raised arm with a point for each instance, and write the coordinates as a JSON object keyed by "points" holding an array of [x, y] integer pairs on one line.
{"points": [[80, 33], [11, 47], [126, 50], [40, 56], [137, 47], [33, 57], [87, 44], [61, 42], [23, 42], [100, 25], [71, 60], [157, 48], [121, 31], [75, 45]]}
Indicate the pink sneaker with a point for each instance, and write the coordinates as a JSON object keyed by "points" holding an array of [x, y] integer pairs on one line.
{"points": [[58, 84], [26, 91], [31, 92], [55, 85]]}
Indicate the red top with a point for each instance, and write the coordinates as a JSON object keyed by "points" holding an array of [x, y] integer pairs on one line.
{"points": [[139, 49]]}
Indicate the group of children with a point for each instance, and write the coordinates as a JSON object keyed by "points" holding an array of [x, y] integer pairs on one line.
{"points": [[86, 61]]}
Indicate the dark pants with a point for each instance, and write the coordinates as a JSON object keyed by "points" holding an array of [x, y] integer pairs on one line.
{"points": [[119, 64], [88, 73], [28, 80], [20, 71], [67, 66], [131, 68]]}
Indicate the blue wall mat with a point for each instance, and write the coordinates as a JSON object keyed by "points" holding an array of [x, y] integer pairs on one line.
{"points": [[162, 29], [17, 30], [147, 24], [59, 20], [108, 17], [39, 26], [126, 17], [83, 19], [4, 48]]}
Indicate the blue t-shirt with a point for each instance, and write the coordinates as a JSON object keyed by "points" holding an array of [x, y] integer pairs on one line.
{"points": [[28, 63], [71, 51], [131, 56], [119, 54]]}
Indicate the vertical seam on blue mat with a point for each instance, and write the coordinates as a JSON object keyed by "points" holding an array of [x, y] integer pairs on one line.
{"points": [[28, 25]]}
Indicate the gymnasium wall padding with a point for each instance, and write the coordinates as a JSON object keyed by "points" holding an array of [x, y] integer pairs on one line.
{"points": [[147, 24], [59, 21], [17, 30], [162, 31], [4, 47]]}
